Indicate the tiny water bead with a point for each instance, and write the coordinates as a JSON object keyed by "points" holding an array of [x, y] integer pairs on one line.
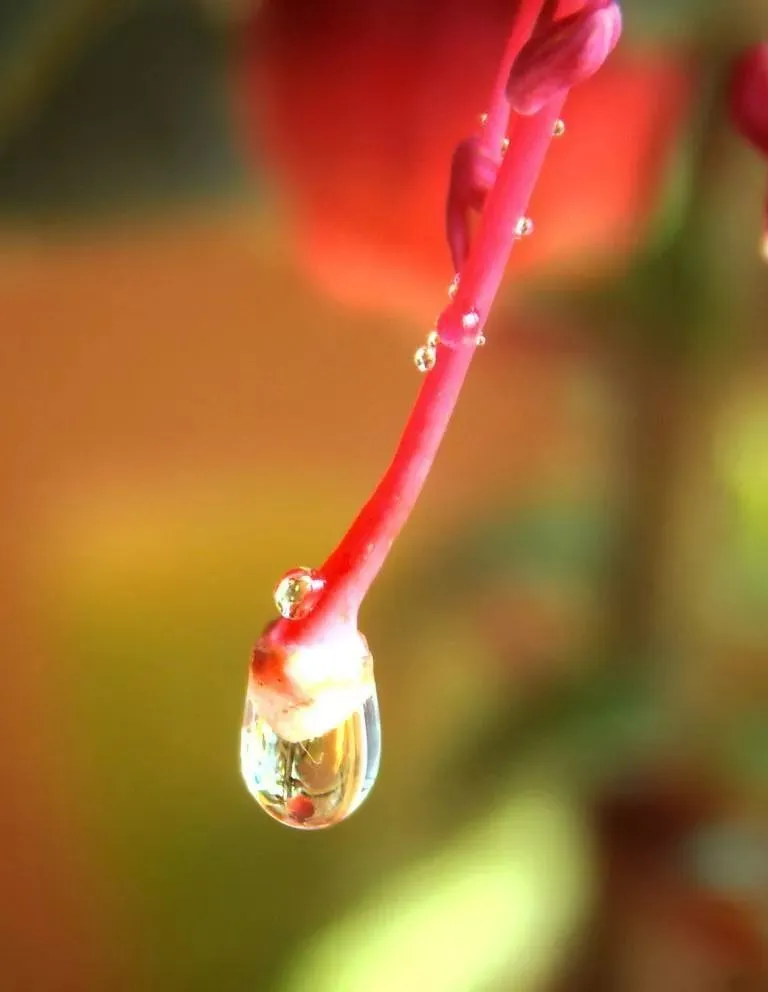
{"points": [[313, 783], [296, 592], [524, 227], [433, 339], [425, 358], [559, 128], [504, 146], [470, 320]]}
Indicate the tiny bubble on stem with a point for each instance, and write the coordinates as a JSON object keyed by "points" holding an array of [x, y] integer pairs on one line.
{"points": [[425, 358], [297, 592], [470, 320]]}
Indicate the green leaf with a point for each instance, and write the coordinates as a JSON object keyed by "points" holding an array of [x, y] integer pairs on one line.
{"points": [[497, 903], [139, 118]]}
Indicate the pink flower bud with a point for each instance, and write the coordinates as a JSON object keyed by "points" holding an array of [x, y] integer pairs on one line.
{"points": [[473, 173], [561, 54], [748, 95]]}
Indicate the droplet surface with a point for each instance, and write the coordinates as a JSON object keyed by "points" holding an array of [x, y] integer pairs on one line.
{"points": [[433, 339], [470, 320], [504, 146], [524, 227], [296, 592], [454, 286], [425, 358], [559, 128], [314, 783]]}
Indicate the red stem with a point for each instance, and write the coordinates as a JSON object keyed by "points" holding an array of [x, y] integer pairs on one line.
{"points": [[495, 128], [352, 567], [354, 564]]}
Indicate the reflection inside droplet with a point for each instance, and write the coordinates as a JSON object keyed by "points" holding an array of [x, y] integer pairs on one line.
{"points": [[425, 358], [297, 592], [313, 783]]}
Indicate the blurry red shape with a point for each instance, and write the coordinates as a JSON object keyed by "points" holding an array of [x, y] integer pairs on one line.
{"points": [[357, 109], [300, 808], [748, 95]]}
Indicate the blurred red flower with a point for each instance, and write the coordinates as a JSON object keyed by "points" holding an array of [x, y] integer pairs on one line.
{"points": [[358, 106]]}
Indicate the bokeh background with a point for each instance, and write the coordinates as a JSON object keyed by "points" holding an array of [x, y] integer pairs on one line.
{"points": [[220, 243]]}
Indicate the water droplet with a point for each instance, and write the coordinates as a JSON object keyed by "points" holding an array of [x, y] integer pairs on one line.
{"points": [[504, 146], [524, 227], [313, 783], [425, 358], [297, 591], [559, 129], [454, 287], [470, 320], [483, 118], [480, 340], [433, 339]]}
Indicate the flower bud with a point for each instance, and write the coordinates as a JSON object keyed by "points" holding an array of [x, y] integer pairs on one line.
{"points": [[561, 54], [748, 95], [473, 173]]}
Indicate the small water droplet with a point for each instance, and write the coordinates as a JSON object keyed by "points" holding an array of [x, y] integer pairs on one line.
{"points": [[559, 128], [504, 146], [313, 783], [480, 340], [524, 227], [470, 320], [483, 118], [454, 287], [297, 591], [433, 339], [425, 358]]}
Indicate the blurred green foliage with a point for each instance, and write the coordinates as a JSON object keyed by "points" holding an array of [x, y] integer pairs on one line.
{"points": [[131, 110]]}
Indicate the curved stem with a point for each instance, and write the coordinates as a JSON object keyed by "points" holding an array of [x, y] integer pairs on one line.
{"points": [[495, 128], [352, 567]]}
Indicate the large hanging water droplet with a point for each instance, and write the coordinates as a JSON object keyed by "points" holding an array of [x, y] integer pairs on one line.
{"points": [[313, 783], [296, 592]]}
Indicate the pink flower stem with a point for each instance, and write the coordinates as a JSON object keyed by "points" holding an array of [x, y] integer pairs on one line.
{"points": [[352, 567], [495, 129]]}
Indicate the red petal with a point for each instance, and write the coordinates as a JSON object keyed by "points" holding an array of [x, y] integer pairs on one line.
{"points": [[359, 113], [748, 95]]}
